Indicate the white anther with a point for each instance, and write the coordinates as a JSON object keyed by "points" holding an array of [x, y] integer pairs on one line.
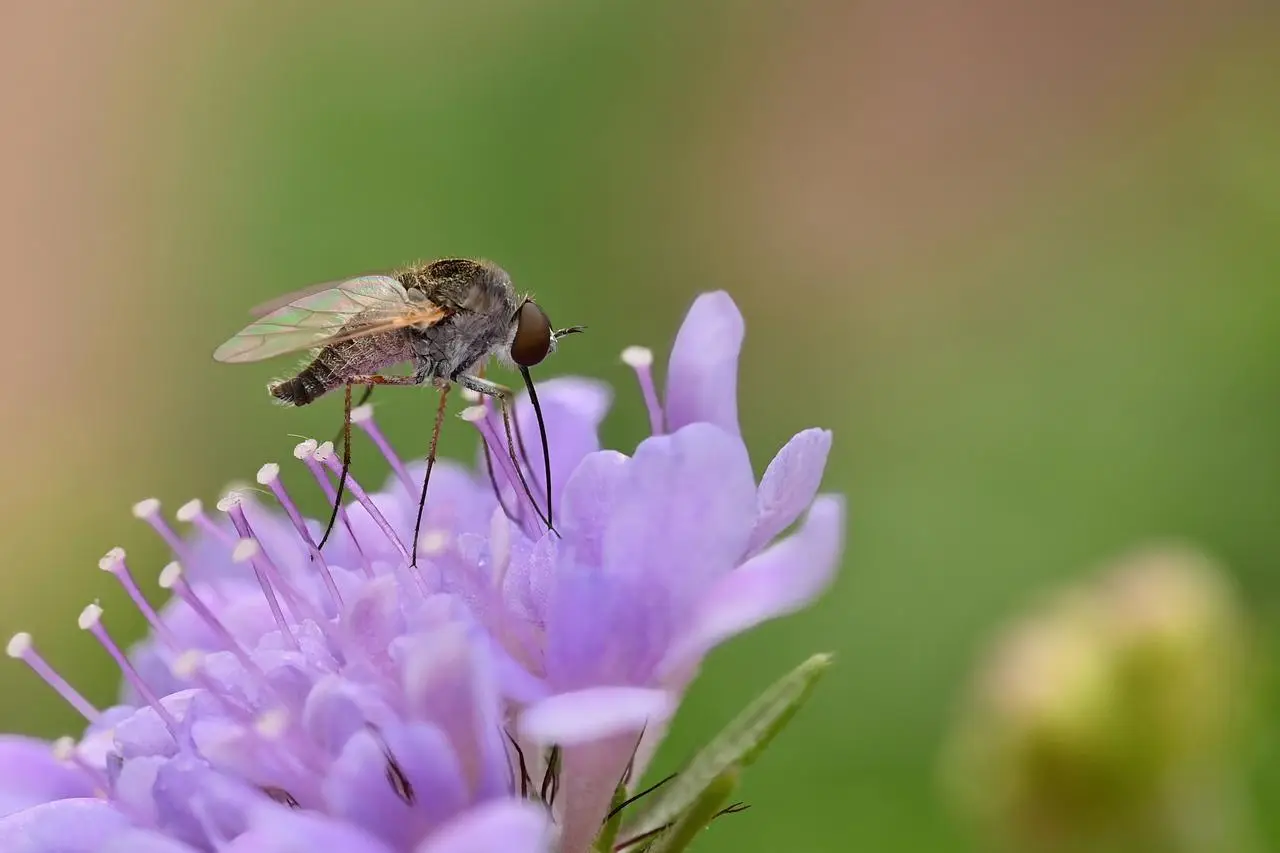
{"points": [[112, 561], [473, 414], [273, 723], [19, 645], [637, 357], [170, 574], [188, 663], [64, 748], [89, 617], [189, 511], [471, 395], [230, 501], [268, 474], [305, 449], [360, 414], [245, 550], [147, 508], [323, 452], [433, 542]]}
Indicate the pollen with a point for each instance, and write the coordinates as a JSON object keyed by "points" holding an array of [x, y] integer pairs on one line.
{"points": [[112, 560], [637, 357], [189, 511]]}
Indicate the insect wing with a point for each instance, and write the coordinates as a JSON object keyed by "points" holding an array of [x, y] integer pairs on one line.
{"points": [[322, 317]]}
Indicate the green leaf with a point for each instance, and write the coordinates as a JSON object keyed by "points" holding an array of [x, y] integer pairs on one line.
{"points": [[609, 834], [738, 745], [696, 818]]}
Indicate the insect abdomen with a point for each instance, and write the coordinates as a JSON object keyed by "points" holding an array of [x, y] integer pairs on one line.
{"points": [[314, 381], [338, 364]]}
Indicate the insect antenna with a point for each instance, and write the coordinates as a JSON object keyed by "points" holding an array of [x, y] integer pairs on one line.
{"points": [[431, 463], [542, 434], [346, 464]]}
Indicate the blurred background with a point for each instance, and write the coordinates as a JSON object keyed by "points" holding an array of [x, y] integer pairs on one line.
{"points": [[1022, 258]]}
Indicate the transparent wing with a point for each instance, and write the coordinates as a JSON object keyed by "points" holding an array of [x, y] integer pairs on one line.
{"points": [[354, 308], [289, 298]]}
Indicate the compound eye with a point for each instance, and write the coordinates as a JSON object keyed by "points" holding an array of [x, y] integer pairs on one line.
{"points": [[533, 335]]}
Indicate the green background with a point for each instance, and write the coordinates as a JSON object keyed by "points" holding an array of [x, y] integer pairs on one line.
{"points": [[1092, 365]]}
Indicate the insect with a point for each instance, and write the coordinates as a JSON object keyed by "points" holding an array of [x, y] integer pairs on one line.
{"points": [[445, 317]]}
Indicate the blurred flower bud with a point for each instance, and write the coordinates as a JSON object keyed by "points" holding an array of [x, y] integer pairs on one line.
{"points": [[1109, 718]]}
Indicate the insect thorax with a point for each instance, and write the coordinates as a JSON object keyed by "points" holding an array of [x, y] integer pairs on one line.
{"points": [[481, 302]]}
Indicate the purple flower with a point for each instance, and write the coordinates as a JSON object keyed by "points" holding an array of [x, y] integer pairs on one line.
{"points": [[490, 698]]}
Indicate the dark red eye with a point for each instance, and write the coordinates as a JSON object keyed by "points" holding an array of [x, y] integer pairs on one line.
{"points": [[533, 336]]}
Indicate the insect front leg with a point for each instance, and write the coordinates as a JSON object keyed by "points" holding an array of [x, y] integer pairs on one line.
{"points": [[504, 396], [484, 386]]}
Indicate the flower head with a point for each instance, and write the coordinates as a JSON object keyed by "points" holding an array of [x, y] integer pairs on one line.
{"points": [[491, 697]]}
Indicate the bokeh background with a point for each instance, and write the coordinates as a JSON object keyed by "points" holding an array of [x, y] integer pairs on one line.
{"points": [[1024, 258]]}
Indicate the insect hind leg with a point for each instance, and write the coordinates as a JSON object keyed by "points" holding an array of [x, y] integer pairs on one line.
{"points": [[368, 381]]}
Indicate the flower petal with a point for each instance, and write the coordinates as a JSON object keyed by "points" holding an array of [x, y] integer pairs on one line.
{"points": [[702, 377], [279, 830], [687, 511], [450, 680], [781, 580], [398, 786], [30, 775], [509, 826], [589, 498], [569, 719], [63, 826], [789, 485], [607, 629]]}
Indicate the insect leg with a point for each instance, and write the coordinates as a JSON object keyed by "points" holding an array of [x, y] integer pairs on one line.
{"points": [[504, 396], [346, 463], [370, 381], [431, 461], [364, 398]]}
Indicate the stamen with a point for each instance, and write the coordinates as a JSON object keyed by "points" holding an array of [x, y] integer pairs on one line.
{"points": [[471, 395], [171, 579], [91, 620], [114, 563], [478, 415], [67, 751], [362, 416], [640, 359], [20, 648], [307, 451], [331, 462], [272, 724], [149, 511], [298, 604], [499, 546], [433, 543], [246, 551], [269, 476], [192, 512]]}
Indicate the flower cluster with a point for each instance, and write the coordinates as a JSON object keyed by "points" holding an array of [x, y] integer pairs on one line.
{"points": [[497, 695]]}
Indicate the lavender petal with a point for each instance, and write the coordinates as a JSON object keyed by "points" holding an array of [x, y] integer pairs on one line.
{"points": [[569, 719], [30, 775], [778, 581], [702, 377], [509, 826], [789, 485]]}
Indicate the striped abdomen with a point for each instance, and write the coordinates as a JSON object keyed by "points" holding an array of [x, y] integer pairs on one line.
{"points": [[339, 363]]}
